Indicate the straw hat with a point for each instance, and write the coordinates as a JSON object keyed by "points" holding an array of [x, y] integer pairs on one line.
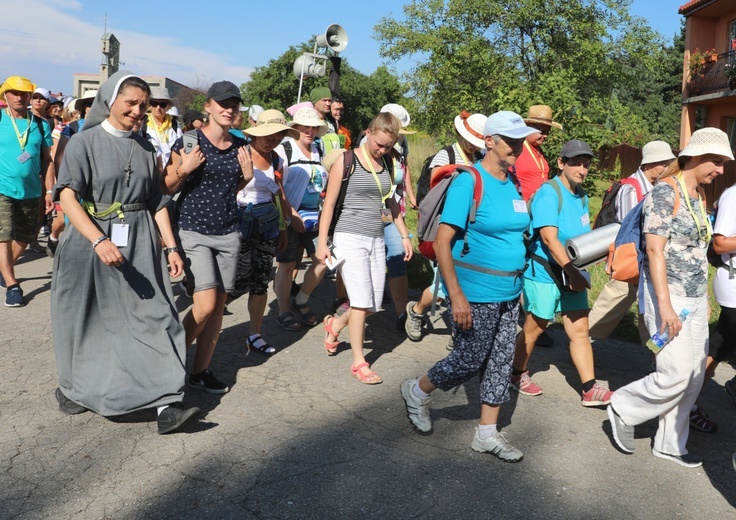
{"points": [[708, 141], [271, 122], [541, 115], [309, 117], [470, 127], [18, 83], [331, 157], [87, 98]]}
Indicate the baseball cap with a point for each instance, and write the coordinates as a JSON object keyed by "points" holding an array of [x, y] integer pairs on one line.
{"points": [[508, 124], [45, 93], [574, 148], [222, 90]]}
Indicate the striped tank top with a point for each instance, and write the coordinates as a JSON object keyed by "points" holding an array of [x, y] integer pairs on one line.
{"points": [[361, 213]]}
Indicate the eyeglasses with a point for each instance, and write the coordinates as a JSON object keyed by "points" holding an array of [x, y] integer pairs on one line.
{"points": [[159, 104], [543, 129]]}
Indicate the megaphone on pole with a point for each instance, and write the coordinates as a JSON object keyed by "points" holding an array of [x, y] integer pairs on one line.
{"points": [[335, 38]]}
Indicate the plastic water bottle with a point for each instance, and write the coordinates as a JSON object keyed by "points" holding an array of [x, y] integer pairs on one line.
{"points": [[657, 342]]}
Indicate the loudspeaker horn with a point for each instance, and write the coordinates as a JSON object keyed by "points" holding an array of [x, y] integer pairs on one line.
{"points": [[335, 37]]}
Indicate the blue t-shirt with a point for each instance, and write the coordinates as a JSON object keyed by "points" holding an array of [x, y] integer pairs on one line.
{"points": [[208, 203], [573, 220], [20, 180], [495, 238]]}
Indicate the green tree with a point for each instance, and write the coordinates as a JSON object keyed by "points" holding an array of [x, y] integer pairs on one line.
{"points": [[487, 55], [275, 86]]}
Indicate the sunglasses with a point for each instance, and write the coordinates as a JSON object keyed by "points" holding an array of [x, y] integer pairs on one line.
{"points": [[159, 104], [39, 98], [544, 130]]}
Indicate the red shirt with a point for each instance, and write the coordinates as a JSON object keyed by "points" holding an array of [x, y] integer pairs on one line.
{"points": [[532, 170]]}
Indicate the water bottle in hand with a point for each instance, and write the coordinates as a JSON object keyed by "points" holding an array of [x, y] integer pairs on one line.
{"points": [[657, 342]]}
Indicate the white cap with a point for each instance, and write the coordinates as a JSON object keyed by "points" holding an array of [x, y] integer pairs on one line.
{"points": [[508, 124], [254, 110], [45, 93]]}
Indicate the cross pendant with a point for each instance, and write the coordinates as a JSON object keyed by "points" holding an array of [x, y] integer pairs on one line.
{"points": [[127, 170]]}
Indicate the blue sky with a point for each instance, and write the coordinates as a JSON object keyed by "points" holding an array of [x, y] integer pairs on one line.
{"points": [[193, 43]]}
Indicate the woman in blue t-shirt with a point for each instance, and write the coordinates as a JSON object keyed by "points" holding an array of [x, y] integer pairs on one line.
{"points": [[559, 211], [483, 282]]}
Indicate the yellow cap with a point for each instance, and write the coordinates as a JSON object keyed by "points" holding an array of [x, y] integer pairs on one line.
{"points": [[18, 83]]}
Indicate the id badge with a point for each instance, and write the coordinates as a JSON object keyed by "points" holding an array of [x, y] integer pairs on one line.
{"points": [[311, 188], [120, 234], [520, 206], [272, 186], [24, 157], [386, 216], [585, 220]]}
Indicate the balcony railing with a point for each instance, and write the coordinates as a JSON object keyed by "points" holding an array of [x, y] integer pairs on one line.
{"points": [[714, 76]]}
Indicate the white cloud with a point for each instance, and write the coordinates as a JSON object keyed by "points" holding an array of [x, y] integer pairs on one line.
{"points": [[56, 39]]}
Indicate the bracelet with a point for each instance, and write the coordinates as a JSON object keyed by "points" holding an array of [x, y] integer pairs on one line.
{"points": [[99, 241], [169, 250], [49, 192], [178, 176], [405, 238]]}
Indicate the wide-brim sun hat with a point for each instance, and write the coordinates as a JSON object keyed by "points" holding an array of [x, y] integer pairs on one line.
{"points": [[86, 99], [18, 83], [271, 122], [401, 114], [541, 115], [470, 127], [507, 124], [160, 94], [331, 157], [309, 117], [708, 141], [656, 151]]}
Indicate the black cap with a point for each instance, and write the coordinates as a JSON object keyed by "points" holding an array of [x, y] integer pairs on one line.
{"points": [[574, 148], [223, 90], [192, 115]]}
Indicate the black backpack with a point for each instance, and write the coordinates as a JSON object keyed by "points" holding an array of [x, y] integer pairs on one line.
{"points": [[607, 214], [426, 173]]}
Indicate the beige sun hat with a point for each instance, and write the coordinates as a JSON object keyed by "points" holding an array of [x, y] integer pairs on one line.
{"points": [[708, 141], [87, 97], [271, 122], [160, 93], [656, 151], [401, 114], [541, 115], [470, 127], [331, 157], [307, 116]]}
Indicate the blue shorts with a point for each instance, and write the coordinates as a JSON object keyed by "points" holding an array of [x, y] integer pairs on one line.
{"points": [[545, 299]]}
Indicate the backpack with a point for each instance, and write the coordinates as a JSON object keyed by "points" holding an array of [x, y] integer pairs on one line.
{"points": [[289, 150], [531, 236], [607, 214], [626, 253], [348, 168], [430, 207], [425, 176], [144, 126]]}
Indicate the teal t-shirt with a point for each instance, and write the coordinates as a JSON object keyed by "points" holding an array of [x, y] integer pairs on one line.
{"points": [[573, 220], [495, 238], [20, 180]]}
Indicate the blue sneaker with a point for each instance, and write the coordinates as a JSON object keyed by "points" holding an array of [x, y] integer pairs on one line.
{"points": [[14, 297]]}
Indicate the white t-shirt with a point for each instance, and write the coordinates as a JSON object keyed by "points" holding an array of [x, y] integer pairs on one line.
{"points": [[262, 187], [724, 289]]}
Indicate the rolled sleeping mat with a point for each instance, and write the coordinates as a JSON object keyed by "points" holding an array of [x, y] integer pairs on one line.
{"points": [[591, 247]]}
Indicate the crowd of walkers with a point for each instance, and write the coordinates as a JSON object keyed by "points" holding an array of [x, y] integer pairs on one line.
{"points": [[135, 196]]}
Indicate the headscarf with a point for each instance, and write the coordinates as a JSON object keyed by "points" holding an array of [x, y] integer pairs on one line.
{"points": [[104, 99]]}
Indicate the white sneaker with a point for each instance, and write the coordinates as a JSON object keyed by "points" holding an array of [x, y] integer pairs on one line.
{"points": [[497, 445], [417, 408]]}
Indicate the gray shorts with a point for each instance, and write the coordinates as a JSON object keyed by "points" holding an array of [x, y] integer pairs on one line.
{"points": [[210, 260]]}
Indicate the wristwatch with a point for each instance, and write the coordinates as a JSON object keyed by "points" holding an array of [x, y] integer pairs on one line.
{"points": [[169, 250]]}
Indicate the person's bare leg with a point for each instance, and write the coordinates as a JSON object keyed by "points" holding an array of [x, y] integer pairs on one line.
{"points": [[207, 339], [399, 288], [256, 308], [533, 328], [282, 285], [581, 351], [204, 306]]}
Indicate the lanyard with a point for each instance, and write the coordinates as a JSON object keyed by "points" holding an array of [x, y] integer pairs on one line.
{"points": [[22, 138], [462, 154], [539, 161], [708, 228], [375, 176]]}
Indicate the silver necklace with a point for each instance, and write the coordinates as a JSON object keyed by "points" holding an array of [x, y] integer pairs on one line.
{"points": [[128, 169]]}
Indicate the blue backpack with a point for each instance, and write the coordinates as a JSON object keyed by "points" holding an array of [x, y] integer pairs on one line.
{"points": [[626, 253]]}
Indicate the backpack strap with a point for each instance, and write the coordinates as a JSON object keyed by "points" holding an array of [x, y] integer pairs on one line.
{"points": [[288, 150], [628, 181], [672, 182]]}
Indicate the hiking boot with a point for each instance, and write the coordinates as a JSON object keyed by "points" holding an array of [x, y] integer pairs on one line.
{"points": [[173, 416], [597, 396], [497, 445], [731, 389], [207, 381], [14, 297], [688, 460], [68, 406], [623, 434], [414, 322], [524, 385], [417, 408]]}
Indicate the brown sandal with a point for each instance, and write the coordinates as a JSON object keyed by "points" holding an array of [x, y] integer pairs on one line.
{"points": [[371, 378], [330, 346]]}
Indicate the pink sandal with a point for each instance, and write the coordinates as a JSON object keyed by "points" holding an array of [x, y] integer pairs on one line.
{"points": [[330, 346], [371, 378]]}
